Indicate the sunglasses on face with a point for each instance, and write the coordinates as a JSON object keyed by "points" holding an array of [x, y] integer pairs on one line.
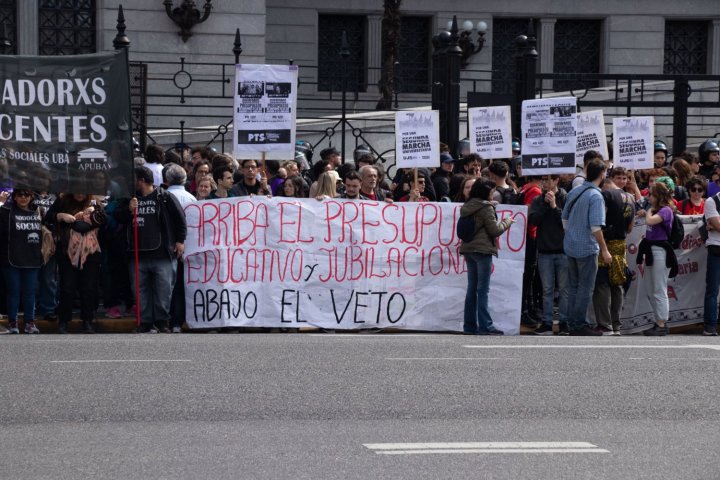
{"points": [[23, 194], [700, 190]]}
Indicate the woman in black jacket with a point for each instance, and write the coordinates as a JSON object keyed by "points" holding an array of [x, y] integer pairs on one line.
{"points": [[74, 219], [20, 256]]}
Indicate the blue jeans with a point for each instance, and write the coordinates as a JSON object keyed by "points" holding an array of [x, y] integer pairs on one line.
{"points": [[553, 267], [477, 316], [712, 285], [157, 279], [47, 292], [581, 283], [20, 283]]}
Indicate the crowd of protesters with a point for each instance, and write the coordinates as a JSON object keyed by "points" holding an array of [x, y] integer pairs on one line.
{"points": [[60, 252]]}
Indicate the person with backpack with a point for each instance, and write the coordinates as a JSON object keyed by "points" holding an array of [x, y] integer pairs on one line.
{"points": [[658, 255], [160, 242], [505, 191], [712, 274], [479, 218]]}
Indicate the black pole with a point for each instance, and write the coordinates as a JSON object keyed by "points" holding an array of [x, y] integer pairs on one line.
{"points": [[454, 63], [681, 93], [5, 43], [121, 40], [344, 55], [237, 46]]}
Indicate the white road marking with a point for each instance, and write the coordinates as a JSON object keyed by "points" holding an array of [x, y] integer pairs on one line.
{"points": [[711, 347], [483, 447], [452, 358], [114, 361]]}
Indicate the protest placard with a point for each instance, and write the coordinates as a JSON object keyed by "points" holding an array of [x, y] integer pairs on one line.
{"points": [[65, 123], [549, 136], [633, 140], [340, 264], [417, 139], [490, 131], [590, 135], [265, 111]]}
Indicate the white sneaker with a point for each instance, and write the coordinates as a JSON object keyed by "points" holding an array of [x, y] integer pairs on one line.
{"points": [[176, 330]]}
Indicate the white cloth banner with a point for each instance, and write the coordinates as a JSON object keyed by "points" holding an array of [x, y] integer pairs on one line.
{"points": [[265, 110], [549, 136], [340, 264], [633, 142], [417, 139], [590, 135], [686, 291], [490, 131]]}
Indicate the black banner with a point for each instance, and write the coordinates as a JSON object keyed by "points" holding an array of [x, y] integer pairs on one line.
{"points": [[65, 123]]}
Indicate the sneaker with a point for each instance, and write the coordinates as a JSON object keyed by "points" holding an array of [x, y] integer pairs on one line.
{"points": [[114, 312], [491, 331], [655, 331], [709, 333], [148, 329], [50, 317], [12, 328], [603, 330], [543, 330], [616, 333], [162, 329], [585, 332], [563, 329], [31, 328], [176, 330]]}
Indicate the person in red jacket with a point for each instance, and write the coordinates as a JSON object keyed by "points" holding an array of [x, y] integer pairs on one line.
{"points": [[532, 290]]}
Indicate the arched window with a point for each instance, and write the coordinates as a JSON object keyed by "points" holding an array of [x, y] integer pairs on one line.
{"points": [[67, 27]]}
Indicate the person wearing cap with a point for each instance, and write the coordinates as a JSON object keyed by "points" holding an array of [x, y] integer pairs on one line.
{"points": [[332, 155], [441, 176]]}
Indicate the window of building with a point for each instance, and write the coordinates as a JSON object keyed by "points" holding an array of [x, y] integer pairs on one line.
{"points": [[67, 27], [504, 33], [332, 70], [414, 54], [8, 18], [686, 47], [577, 50]]}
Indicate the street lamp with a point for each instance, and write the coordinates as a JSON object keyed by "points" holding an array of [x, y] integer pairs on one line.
{"points": [[468, 46]]}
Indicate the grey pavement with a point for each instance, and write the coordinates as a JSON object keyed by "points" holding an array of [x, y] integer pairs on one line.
{"points": [[303, 406]]}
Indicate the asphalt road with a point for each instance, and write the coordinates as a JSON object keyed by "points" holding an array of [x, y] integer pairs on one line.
{"points": [[358, 406]]}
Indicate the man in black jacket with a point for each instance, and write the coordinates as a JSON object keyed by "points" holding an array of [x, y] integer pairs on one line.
{"points": [[161, 241], [545, 213]]}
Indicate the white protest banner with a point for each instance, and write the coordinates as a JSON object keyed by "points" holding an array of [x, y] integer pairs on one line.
{"points": [[417, 139], [340, 264], [633, 140], [490, 131], [265, 111], [549, 136], [686, 291], [590, 135]]}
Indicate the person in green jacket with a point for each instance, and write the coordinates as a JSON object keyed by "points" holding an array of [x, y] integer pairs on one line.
{"points": [[478, 255]]}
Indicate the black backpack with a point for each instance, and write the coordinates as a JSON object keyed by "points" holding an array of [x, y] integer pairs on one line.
{"points": [[466, 227], [677, 233], [508, 196]]}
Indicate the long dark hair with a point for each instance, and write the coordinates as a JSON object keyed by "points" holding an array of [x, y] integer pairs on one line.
{"points": [[68, 204], [482, 189]]}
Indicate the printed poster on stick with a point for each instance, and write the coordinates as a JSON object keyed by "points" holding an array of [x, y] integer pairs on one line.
{"points": [[340, 264], [417, 139], [590, 135], [265, 111], [491, 132], [633, 140], [549, 136]]}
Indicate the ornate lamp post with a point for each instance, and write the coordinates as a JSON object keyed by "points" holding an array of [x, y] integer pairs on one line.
{"points": [[469, 46]]}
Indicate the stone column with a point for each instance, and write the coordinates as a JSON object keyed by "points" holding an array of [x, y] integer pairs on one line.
{"points": [[546, 48], [374, 51], [714, 50], [27, 30]]}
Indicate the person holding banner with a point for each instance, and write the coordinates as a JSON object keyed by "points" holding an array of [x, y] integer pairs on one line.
{"points": [[20, 256], [658, 255], [583, 218], [478, 256], [250, 184]]}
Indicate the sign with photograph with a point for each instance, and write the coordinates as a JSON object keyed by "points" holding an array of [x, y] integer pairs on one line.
{"points": [[265, 111], [549, 136]]}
